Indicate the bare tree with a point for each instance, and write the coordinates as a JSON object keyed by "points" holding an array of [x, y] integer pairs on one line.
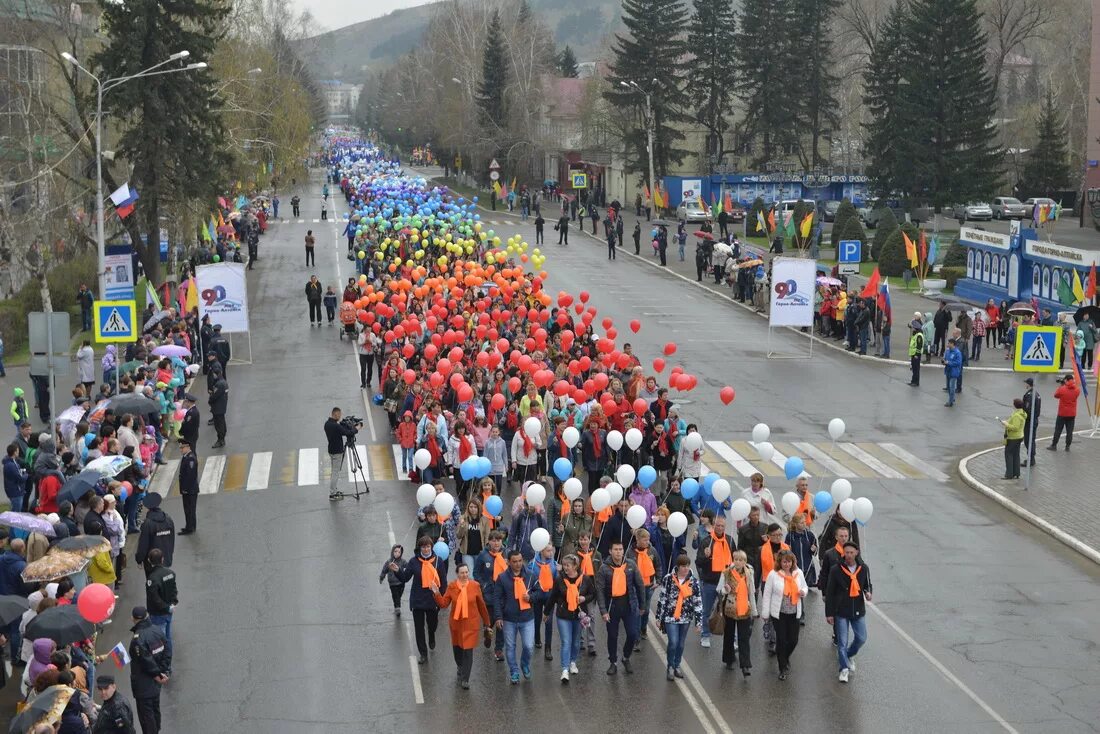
{"points": [[1011, 24]]}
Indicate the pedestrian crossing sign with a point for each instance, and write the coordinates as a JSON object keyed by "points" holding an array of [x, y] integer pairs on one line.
{"points": [[114, 321], [1037, 348]]}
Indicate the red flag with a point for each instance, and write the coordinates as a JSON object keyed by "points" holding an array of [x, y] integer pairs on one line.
{"points": [[923, 247], [1090, 291], [871, 289]]}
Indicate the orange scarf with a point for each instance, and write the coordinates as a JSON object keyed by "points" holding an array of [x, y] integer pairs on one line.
{"points": [[853, 588], [587, 569], [499, 564], [740, 594], [767, 559], [428, 573], [462, 608], [684, 593], [519, 589], [720, 556], [645, 566], [546, 576], [618, 580], [572, 593], [839, 550], [790, 588], [806, 507]]}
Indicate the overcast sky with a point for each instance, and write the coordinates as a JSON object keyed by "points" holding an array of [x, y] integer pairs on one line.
{"points": [[333, 14]]}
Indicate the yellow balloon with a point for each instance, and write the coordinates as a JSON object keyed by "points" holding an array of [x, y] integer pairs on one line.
{"points": [[408, 263], [448, 237], [362, 254], [442, 261], [477, 226], [418, 254], [496, 242], [536, 251], [378, 256], [469, 249], [414, 239], [484, 236]]}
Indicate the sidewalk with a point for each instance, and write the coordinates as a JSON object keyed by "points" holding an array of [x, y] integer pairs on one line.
{"points": [[1063, 500]]}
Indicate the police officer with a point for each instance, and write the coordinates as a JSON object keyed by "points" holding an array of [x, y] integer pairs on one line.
{"points": [[161, 596], [219, 404], [189, 427], [158, 531], [115, 716], [1032, 421], [220, 346], [150, 667], [189, 486]]}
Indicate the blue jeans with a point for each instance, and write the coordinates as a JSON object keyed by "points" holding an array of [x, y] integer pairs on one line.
{"points": [[863, 336], [407, 460], [885, 345], [164, 621], [677, 636], [710, 591], [643, 620], [16, 503], [569, 632], [952, 386], [844, 651], [86, 319], [131, 508], [526, 632]]}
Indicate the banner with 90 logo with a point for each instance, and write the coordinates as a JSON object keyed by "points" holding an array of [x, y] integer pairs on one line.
{"points": [[223, 296], [792, 291]]}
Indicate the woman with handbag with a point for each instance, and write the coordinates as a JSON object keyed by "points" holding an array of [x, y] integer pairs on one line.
{"points": [[739, 608], [679, 605], [781, 602]]}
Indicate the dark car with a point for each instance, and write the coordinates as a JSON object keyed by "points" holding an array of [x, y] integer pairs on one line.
{"points": [[829, 213], [737, 213]]}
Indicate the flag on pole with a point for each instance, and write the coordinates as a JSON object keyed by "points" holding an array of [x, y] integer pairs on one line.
{"points": [[788, 224], [871, 289], [1090, 290], [120, 655], [933, 249], [771, 220], [922, 244], [206, 234], [910, 250], [192, 301], [1065, 292], [645, 191], [123, 198], [807, 224], [513, 183], [221, 220], [727, 203], [1077, 373], [760, 223], [1078, 289], [152, 297], [884, 300], [496, 188]]}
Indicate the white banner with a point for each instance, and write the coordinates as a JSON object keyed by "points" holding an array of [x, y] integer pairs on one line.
{"points": [[691, 189], [792, 291], [223, 296]]}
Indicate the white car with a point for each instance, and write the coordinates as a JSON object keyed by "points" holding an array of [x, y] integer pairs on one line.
{"points": [[690, 211], [973, 210]]}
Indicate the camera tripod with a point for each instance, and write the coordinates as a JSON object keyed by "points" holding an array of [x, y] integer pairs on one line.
{"points": [[351, 456]]}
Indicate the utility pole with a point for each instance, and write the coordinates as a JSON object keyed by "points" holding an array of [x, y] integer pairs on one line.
{"points": [[651, 132]]}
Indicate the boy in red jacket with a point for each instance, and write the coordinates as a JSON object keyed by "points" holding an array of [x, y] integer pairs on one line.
{"points": [[406, 436], [1067, 394]]}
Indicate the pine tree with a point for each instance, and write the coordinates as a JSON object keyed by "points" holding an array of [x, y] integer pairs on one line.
{"points": [[652, 58], [816, 84], [491, 91], [853, 230], [768, 73], [844, 212], [887, 223], [1046, 171], [888, 128], [711, 35], [170, 135], [892, 261], [567, 63]]}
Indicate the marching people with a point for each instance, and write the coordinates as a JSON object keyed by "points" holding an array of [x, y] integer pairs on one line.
{"points": [[714, 555], [620, 593], [468, 617], [846, 609], [572, 592], [781, 604], [739, 607], [514, 616], [679, 607], [427, 572]]}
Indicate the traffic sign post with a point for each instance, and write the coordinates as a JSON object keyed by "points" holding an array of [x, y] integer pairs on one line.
{"points": [[1036, 350], [849, 256], [49, 345], [578, 179], [115, 321]]}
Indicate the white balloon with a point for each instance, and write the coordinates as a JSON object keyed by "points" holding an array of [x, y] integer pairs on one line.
{"points": [[570, 436], [625, 474], [601, 499], [532, 427], [540, 538], [765, 450], [635, 516], [693, 441], [836, 428], [848, 509], [535, 495], [841, 490], [572, 488], [760, 433], [614, 491], [425, 495], [864, 508], [633, 439], [740, 510], [444, 502], [614, 440], [720, 490], [422, 458], [790, 502], [677, 524]]}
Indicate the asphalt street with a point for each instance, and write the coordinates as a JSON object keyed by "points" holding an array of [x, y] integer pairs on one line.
{"points": [[980, 624]]}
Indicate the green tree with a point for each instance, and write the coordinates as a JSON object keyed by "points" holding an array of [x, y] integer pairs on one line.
{"points": [[853, 230], [169, 131], [888, 127], [492, 90], [768, 73], [758, 207], [956, 254], [567, 63], [892, 261], [887, 223], [816, 83], [653, 59], [844, 212], [711, 35], [1047, 171]]}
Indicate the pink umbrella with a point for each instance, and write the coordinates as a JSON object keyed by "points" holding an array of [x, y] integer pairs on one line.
{"points": [[171, 350]]}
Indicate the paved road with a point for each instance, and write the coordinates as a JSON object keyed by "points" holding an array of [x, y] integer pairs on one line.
{"points": [[283, 627]]}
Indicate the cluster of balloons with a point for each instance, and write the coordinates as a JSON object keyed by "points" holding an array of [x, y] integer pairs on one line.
{"points": [[473, 467]]}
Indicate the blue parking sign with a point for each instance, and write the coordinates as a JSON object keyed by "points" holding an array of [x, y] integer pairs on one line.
{"points": [[849, 251]]}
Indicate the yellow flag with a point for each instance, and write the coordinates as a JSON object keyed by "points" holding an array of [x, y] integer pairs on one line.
{"points": [[496, 188], [513, 183], [1078, 288], [192, 295], [807, 223], [910, 250]]}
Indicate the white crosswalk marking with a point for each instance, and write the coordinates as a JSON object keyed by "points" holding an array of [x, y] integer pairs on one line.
{"points": [[260, 471], [397, 460], [866, 458], [309, 467], [916, 462], [780, 460], [164, 477], [211, 479], [734, 459], [361, 452], [834, 466]]}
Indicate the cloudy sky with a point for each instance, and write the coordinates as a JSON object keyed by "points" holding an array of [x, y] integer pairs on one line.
{"points": [[332, 14]]}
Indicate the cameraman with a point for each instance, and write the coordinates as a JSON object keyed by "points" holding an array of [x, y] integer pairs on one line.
{"points": [[337, 434]]}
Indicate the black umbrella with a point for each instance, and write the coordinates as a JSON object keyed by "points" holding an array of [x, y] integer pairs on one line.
{"points": [[76, 487], [12, 607], [46, 707], [661, 223], [86, 546], [63, 625], [132, 402], [1088, 312]]}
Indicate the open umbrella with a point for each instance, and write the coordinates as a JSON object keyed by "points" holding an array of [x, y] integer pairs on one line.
{"points": [[27, 521], [1021, 308], [661, 223], [77, 486], [87, 546], [1088, 312], [71, 415], [53, 566], [824, 280], [750, 263], [109, 466], [130, 366], [703, 235], [132, 402], [12, 607], [723, 249], [63, 625], [172, 350], [46, 708], [957, 306]]}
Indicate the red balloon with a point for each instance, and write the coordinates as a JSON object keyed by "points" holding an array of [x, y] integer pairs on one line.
{"points": [[635, 325], [482, 359], [437, 380], [410, 377], [456, 379], [96, 603], [659, 365], [465, 393], [514, 385], [584, 296], [609, 407], [670, 349], [612, 333], [561, 388], [362, 316], [455, 355], [607, 323], [497, 402], [600, 380], [726, 394], [444, 366], [430, 350], [640, 406], [408, 351], [580, 396], [525, 362]]}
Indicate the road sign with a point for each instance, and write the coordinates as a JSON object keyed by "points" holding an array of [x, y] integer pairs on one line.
{"points": [[849, 251], [494, 175], [1037, 348], [847, 268], [49, 343], [579, 180], [115, 321], [494, 166]]}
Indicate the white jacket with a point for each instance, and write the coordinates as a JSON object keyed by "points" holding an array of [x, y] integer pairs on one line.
{"points": [[771, 598], [758, 500]]}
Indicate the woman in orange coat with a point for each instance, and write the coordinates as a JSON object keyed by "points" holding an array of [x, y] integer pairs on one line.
{"points": [[467, 617]]}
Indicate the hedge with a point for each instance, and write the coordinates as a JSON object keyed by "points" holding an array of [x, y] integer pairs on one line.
{"points": [[844, 212], [956, 255], [952, 275]]}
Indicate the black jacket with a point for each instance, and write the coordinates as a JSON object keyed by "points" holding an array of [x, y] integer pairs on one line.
{"points": [[314, 292], [189, 474], [838, 601], [335, 434], [615, 530], [220, 346], [149, 658], [116, 717], [189, 428], [827, 539], [942, 319], [160, 590], [93, 523], [219, 397], [558, 595], [158, 531], [702, 563]]}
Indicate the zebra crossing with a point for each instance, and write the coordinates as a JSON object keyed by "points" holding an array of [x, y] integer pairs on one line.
{"points": [[310, 466]]}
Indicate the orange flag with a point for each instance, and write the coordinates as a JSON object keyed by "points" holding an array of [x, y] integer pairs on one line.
{"points": [[910, 250]]}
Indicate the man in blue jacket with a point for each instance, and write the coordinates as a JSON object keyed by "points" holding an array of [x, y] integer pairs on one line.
{"points": [[12, 563], [514, 614], [952, 369], [15, 478]]}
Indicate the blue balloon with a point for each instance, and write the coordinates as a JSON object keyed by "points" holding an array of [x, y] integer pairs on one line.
{"points": [[647, 475], [441, 549], [708, 482], [495, 505], [468, 468], [563, 468], [823, 501], [484, 467], [689, 488], [793, 467]]}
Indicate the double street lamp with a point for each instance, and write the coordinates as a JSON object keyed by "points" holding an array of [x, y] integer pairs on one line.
{"points": [[650, 132], [102, 87]]}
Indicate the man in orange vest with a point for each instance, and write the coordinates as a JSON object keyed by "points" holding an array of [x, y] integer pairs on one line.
{"points": [[620, 593], [845, 607], [514, 615]]}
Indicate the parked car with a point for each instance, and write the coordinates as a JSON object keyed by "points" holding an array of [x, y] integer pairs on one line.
{"points": [[829, 213], [974, 210], [1009, 207], [1040, 200], [737, 213], [690, 211]]}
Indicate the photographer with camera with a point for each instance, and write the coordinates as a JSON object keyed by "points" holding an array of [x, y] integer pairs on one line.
{"points": [[1066, 394], [340, 432]]}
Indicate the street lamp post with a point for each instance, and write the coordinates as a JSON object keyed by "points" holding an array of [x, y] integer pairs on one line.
{"points": [[102, 87], [650, 133]]}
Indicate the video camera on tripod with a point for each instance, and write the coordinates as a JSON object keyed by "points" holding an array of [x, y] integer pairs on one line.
{"points": [[353, 423]]}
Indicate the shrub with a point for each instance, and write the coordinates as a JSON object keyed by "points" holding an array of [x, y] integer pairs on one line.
{"points": [[853, 230], [892, 260], [956, 255], [843, 213], [64, 280], [952, 275], [753, 221], [887, 225]]}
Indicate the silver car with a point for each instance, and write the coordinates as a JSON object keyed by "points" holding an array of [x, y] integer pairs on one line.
{"points": [[973, 210], [690, 211], [1009, 207]]}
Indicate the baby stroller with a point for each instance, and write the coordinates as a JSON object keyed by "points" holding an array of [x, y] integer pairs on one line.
{"points": [[347, 318]]}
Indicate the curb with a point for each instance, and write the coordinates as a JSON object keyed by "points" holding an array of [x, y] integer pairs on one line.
{"points": [[1053, 530]]}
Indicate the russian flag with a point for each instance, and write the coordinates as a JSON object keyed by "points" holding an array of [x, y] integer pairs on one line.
{"points": [[884, 300], [124, 198], [120, 655]]}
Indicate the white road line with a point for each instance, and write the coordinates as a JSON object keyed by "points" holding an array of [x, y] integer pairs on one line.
{"points": [[162, 480], [824, 459], [309, 467], [418, 691], [361, 451], [780, 460], [397, 460], [316, 221], [866, 458], [915, 461], [389, 524], [943, 669], [691, 682], [370, 416], [734, 459], [212, 474], [260, 471]]}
